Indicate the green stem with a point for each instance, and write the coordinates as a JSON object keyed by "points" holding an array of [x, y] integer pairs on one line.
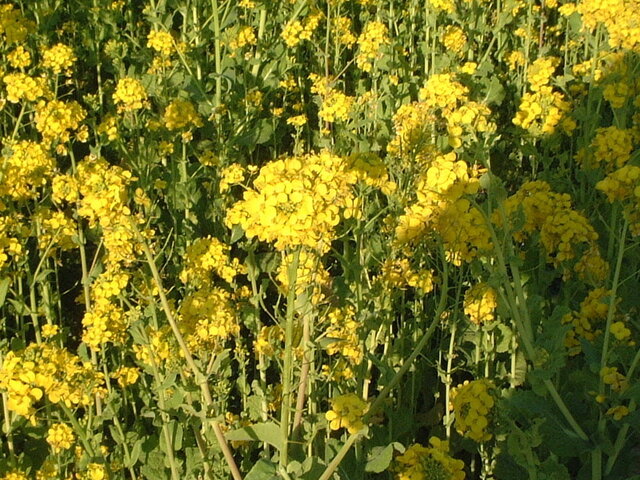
{"points": [[326, 475], [217, 52], [201, 380], [287, 374], [81, 432]]}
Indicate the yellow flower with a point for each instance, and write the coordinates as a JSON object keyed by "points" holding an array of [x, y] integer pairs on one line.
{"points": [[480, 302], [59, 58], [161, 42], [60, 437], [347, 412], [130, 95], [296, 201], [473, 403], [19, 57], [619, 412], [370, 41], [181, 113], [126, 376]]}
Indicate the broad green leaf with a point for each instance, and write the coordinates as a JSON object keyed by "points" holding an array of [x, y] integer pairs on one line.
{"points": [[4, 287], [262, 470], [380, 457], [267, 432]]}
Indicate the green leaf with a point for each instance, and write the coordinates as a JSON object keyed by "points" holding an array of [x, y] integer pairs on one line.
{"points": [[236, 234], [134, 455], [380, 457], [262, 470], [267, 432], [4, 287]]}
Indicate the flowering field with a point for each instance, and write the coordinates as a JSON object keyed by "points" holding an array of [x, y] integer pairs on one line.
{"points": [[319, 239]]}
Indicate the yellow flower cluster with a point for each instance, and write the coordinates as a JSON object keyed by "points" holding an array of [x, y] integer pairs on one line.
{"points": [[618, 412], [342, 28], [442, 209], [109, 127], [443, 99], [10, 231], [291, 33], [619, 18], [161, 348], [101, 190], [270, 338], [47, 371], [427, 463], [25, 168], [454, 39], [617, 381], [347, 412], [246, 37], [95, 471], [130, 95], [180, 114], [542, 108], [206, 256], [231, 175], [443, 92], [473, 403], [19, 57], [161, 42], [370, 41], [104, 322], [447, 6], [343, 331], [623, 185], [413, 125], [463, 230], [371, 170], [55, 120], [480, 303], [59, 59], [15, 475], [470, 118], [399, 274], [515, 59], [541, 111], [126, 376], [295, 31], [60, 437], [57, 231], [311, 276], [610, 148], [563, 231], [617, 94], [541, 71], [21, 86], [620, 330], [310, 24], [593, 311], [297, 201], [335, 105], [207, 317]]}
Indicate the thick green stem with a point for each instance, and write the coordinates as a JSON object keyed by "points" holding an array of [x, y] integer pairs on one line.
{"points": [[287, 374], [215, 11]]}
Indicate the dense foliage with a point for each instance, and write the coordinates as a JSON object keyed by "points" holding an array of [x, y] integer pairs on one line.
{"points": [[319, 239]]}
